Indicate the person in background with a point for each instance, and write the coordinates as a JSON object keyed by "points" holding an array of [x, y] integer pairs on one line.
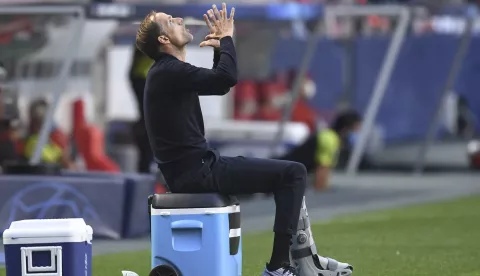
{"points": [[8, 133], [8, 146], [277, 92], [473, 150], [465, 119], [138, 74], [55, 150], [302, 111], [320, 152]]}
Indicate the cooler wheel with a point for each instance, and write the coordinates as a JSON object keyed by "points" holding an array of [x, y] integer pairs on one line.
{"points": [[163, 270]]}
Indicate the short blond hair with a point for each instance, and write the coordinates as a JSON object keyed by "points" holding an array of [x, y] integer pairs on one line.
{"points": [[147, 35]]}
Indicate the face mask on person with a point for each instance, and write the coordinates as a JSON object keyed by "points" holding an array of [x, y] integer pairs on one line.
{"points": [[310, 89], [352, 137]]}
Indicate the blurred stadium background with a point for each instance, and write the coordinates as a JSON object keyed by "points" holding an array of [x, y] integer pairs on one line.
{"points": [[69, 81]]}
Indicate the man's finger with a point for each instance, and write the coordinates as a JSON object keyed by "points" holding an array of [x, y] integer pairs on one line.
{"points": [[232, 13], [211, 42], [209, 24], [224, 11], [212, 36], [222, 16], [216, 12], [212, 17]]}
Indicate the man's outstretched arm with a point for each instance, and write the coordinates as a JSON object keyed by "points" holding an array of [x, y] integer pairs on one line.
{"points": [[216, 59], [213, 40], [216, 56], [215, 81]]}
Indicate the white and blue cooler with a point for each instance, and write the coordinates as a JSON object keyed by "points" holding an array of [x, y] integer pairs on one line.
{"points": [[48, 247], [195, 234]]}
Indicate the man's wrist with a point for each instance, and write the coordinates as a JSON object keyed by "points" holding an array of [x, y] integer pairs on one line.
{"points": [[226, 39]]}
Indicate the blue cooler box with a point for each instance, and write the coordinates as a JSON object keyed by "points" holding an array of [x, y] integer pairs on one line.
{"points": [[50, 247], [196, 234]]}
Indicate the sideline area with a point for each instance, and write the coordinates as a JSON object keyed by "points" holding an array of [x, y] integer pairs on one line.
{"points": [[429, 239]]}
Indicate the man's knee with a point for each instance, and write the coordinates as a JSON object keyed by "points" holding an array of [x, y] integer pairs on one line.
{"points": [[296, 172]]}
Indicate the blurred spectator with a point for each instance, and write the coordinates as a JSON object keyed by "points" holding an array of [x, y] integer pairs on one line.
{"points": [[302, 112], [276, 93], [55, 150], [10, 128], [138, 73], [8, 146], [473, 150], [458, 118], [466, 120], [8, 137], [320, 152]]}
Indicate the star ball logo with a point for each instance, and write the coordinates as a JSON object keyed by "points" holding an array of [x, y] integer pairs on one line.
{"points": [[46, 200]]}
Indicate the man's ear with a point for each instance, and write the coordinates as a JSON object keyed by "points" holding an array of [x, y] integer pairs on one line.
{"points": [[163, 39]]}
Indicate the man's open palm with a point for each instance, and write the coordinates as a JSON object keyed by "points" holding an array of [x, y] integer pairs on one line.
{"points": [[218, 24]]}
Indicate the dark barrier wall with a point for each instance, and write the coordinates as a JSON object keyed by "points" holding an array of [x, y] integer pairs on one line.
{"points": [[415, 87], [137, 189], [115, 206], [137, 222]]}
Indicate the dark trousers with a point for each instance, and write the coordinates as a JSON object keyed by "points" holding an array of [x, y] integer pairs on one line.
{"points": [[241, 175], [304, 153]]}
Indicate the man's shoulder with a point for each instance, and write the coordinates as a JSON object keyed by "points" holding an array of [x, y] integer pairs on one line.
{"points": [[165, 66]]}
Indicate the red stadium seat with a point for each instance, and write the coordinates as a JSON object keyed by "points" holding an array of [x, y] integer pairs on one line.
{"points": [[272, 91], [90, 142], [271, 94], [92, 150], [475, 160], [59, 139], [304, 113], [246, 95]]}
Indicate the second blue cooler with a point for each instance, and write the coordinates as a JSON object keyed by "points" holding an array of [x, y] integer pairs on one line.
{"points": [[48, 247]]}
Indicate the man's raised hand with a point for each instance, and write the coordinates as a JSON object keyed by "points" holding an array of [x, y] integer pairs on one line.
{"points": [[212, 42], [218, 23], [212, 39]]}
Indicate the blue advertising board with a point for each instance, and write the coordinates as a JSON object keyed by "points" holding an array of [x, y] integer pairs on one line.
{"points": [[98, 201], [114, 205]]}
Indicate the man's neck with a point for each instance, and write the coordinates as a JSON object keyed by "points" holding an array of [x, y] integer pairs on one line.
{"points": [[180, 54]]}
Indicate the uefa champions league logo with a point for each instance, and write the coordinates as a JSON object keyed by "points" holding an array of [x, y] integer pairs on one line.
{"points": [[46, 200]]}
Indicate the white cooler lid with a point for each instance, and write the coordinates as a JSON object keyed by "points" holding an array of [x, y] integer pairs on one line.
{"points": [[48, 230]]}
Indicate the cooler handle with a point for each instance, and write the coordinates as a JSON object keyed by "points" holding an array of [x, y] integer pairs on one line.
{"points": [[55, 263], [186, 224]]}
